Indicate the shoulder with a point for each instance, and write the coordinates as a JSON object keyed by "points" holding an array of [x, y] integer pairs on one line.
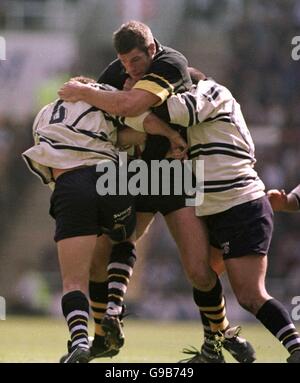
{"points": [[170, 56], [172, 66], [114, 75], [168, 59]]}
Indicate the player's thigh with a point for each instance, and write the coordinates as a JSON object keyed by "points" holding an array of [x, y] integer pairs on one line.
{"points": [[190, 235], [216, 260], [143, 222]]}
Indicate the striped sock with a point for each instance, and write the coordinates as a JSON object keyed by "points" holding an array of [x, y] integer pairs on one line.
{"points": [[206, 328], [276, 319], [119, 272], [98, 301], [212, 305], [75, 307]]}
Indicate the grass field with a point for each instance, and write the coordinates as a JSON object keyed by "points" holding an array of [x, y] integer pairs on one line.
{"points": [[26, 339]]}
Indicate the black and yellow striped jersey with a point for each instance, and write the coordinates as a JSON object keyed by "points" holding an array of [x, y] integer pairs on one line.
{"points": [[167, 74]]}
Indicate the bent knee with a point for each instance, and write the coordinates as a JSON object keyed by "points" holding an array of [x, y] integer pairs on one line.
{"points": [[203, 279], [251, 302]]}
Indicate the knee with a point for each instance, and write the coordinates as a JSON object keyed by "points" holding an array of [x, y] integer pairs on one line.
{"points": [[250, 301], [201, 277]]}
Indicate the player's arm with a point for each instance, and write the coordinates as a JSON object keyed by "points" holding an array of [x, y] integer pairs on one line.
{"points": [[194, 106], [281, 201], [121, 103], [151, 124], [151, 90], [129, 137]]}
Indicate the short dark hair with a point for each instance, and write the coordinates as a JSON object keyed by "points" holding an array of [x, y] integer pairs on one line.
{"points": [[131, 35]]}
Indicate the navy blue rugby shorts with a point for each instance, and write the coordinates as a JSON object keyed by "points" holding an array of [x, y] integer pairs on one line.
{"points": [[244, 229], [79, 210]]}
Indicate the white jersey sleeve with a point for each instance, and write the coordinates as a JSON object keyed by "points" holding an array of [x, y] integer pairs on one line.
{"points": [[296, 193], [197, 105]]}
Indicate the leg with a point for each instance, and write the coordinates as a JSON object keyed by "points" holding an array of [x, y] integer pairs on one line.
{"points": [[216, 260], [119, 272], [75, 256], [247, 277], [237, 346], [98, 295], [98, 270], [99, 286], [143, 221], [190, 235]]}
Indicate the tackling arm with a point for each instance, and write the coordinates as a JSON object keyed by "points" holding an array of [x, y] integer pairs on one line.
{"points": [[122, 103]]}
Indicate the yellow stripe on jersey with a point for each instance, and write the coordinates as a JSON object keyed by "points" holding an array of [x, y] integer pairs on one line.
{"points": [[151, 87], [157, 85]]}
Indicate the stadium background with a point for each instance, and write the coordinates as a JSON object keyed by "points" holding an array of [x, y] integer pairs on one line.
{"points": [[243, 44]]}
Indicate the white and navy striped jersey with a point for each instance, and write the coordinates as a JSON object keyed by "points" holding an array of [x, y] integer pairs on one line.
{"points": [[68, 135], [218, 135], [296, 192]]}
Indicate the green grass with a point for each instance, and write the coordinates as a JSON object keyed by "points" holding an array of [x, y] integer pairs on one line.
{"points": [[26, 339]]}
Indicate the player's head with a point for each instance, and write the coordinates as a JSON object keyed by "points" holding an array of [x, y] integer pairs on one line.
{"points": [[135, 47]]}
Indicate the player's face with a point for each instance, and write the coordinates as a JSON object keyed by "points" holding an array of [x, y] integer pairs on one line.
{"points": [[136, 63]]}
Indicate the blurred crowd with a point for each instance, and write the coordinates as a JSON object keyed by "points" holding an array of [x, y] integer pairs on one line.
{"points": [[265, 79]]}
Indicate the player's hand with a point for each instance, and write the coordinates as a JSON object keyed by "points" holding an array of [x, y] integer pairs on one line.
{"points": [[178, 146], [278, 199], [177, 154], [71, 91]]}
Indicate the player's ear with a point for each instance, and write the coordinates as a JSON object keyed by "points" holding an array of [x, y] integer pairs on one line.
{"points": [[152, 49]]}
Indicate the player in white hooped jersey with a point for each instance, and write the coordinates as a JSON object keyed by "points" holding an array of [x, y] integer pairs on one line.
{"points": [[236, 210], [218, 134], [68, 135], [70, 140]]}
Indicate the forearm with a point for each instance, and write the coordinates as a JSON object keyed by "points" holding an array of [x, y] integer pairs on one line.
{"points": [[130, 137], [121, 103], [154, 125], [111, 102]]}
